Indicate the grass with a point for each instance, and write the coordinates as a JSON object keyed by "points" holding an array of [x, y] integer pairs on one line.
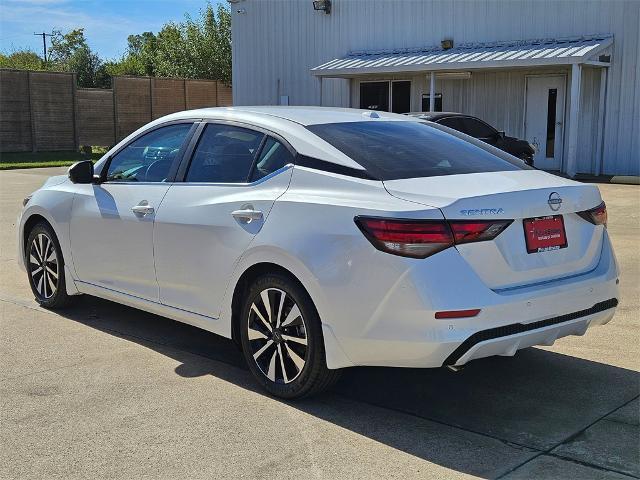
{"points": [[10, 161]]}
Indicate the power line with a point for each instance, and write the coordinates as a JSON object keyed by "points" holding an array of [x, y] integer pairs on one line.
{"points": [[44, 44]]}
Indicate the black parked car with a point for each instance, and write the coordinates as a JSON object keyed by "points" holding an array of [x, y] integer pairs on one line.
{"points": [[482, 131]]}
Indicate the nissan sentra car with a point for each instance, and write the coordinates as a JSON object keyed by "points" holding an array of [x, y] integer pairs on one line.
{"points": [[325, 238]]}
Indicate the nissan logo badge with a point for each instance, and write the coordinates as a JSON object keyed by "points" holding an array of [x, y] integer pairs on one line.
{"points": [[555, 202]]}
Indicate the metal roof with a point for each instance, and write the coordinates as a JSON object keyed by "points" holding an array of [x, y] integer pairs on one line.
{"points": [[520, 53]]}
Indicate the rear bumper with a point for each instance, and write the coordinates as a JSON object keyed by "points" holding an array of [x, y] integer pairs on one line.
{"points": [[507, 340]]}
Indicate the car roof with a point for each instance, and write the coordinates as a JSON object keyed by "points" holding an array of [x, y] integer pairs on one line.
{"points": [[286, 121], [303, 115]]}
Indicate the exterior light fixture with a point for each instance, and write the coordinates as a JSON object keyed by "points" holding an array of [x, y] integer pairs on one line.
{"points": [[453, 75], [322, 5], [447, 43]]}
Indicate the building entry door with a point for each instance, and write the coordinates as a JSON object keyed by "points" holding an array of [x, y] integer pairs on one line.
{"points": [[389, 96], [544, 119]]}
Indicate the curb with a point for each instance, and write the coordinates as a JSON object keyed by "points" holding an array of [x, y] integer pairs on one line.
{"points": [[626, 179]]}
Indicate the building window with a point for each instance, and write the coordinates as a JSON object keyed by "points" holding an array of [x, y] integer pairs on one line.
{"points": [[552, 101], [437, 107], [389, 96]]}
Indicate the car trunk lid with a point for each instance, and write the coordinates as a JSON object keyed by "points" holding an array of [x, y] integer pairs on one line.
{"points": [[505, 261]]}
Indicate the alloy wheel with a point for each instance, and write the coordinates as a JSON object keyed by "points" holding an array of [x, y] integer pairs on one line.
{"points": [[43, 266], [277, 336]]}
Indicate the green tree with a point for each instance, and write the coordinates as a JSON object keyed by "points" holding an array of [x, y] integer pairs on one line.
{"points": [[140, 56], [70, 52], [22, 59], [207, 42], [172, 58], [193, 48]]}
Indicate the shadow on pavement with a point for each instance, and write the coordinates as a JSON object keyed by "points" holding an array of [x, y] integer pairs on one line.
{"points": [[532, 402]]}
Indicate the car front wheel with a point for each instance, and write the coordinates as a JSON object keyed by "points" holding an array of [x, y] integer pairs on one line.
{"points": [[45, 267], [281, 337]]}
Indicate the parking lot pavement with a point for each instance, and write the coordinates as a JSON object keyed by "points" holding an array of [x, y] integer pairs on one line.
{"points": [[106, 391]]}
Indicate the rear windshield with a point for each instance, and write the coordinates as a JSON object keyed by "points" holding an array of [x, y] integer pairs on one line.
{"points": [[395, 150]]}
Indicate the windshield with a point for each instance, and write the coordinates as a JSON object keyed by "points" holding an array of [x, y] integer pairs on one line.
{"points": [[395, 150]]}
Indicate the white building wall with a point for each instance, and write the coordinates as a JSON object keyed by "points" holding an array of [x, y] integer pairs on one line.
{"points": [[277, 42]]}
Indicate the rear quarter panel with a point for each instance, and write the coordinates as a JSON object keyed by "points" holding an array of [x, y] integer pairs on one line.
{"points": [[311, 232]]}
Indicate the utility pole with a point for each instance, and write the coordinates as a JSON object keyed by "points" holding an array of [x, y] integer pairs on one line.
{"points": [[44, 44]]}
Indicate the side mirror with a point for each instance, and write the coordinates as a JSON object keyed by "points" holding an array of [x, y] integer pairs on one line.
{"points": [[501, 135], [81, 172]]}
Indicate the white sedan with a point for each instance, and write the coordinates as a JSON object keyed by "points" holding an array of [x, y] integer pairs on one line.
{"points": [[323, 238]]}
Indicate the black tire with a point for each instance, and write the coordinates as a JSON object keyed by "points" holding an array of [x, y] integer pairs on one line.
{"points": [[42, 273], [294, 382]]}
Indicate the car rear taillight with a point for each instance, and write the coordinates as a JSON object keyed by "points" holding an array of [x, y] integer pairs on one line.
{"points": [[477, 231], [597, 216], [422, 238], [409, 238]]}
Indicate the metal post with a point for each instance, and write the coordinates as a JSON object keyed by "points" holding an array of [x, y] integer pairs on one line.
{"points": [[604, 75], [432, 93], [574, 115]]}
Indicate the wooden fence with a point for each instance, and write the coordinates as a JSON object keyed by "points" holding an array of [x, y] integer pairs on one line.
{"points": [[44, 111]]}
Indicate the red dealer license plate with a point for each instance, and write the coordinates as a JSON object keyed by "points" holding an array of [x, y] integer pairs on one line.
{"points": [[544, 233]]}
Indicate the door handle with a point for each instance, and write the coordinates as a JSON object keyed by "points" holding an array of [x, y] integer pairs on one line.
{"points": [[143, 208], [247, 215]]}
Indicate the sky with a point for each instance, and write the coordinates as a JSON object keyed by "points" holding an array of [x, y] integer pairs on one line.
{"points": [[107, 23]]}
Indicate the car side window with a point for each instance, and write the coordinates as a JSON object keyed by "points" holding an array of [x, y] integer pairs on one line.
{"points": [[274, 155], [478, 129], [224, 154], [148, 158], [452, 122]]}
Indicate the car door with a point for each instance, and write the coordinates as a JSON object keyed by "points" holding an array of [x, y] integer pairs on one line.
{"points": [[112, 221], [209, 219]]}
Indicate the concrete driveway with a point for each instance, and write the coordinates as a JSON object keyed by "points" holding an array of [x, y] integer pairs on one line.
{"points": [[105, 391]]}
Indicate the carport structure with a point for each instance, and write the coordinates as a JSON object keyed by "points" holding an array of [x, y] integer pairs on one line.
{"points": [[542, 70]]}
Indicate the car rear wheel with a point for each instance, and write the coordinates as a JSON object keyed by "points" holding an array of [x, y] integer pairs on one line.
{"points": [[45, 266], [281, 338]]}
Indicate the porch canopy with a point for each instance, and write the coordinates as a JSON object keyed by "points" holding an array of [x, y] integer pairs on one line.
{"points": [[574, 52], [516, 54]]}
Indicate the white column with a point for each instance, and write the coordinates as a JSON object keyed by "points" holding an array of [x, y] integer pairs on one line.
{"points": [[320, 91], [604, 75], [432, 93], [574, 115]]}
